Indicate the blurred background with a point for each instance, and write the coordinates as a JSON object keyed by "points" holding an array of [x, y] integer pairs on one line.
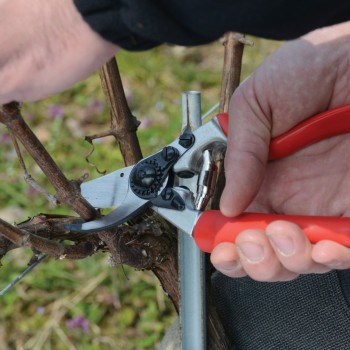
{"points": [[88, 304]]}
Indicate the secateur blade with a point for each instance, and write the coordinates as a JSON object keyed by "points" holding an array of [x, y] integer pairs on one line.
{"points": [[131, 207], [111, 191], [108, 191], [131, 189]]}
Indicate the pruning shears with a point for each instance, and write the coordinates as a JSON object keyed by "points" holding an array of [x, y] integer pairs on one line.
{"points": [[154, 183]]}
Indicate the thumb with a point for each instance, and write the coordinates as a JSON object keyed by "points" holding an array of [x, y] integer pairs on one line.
{"points": [[247, 149]]}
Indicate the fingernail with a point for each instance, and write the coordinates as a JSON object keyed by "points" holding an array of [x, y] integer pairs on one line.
{"points": [[252, 251], [333, 264], [228, 266], [284, 244]]}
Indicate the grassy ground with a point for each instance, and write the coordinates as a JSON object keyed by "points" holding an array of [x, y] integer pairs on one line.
{"points": [[87, 304]]}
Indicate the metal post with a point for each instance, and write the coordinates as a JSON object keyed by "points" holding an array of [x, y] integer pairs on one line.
{"points": [[191, 260]]}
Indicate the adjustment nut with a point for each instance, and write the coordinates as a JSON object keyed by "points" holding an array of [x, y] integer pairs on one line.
{"points": [[169, 153]]}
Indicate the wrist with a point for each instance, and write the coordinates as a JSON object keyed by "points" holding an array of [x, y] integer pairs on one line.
{"points": [[46, 47]]}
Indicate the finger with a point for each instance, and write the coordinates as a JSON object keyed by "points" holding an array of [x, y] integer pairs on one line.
{"points": [[293, 249], [258, 258], [247, 150], [225, 259], [332, 255]]}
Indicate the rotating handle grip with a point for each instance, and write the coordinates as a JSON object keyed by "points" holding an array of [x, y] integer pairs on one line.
{"points": [[213, 228], [327, 124]]}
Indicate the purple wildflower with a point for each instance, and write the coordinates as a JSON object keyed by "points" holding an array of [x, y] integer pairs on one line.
{"points": [[31, 191], [40, 310], [5, 139], [55, 111], [79, 322], [96, 105]]}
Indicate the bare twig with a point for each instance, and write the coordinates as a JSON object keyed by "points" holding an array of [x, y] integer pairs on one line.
{"points": [[144, 251], [22, 238], [87, 157], [234, 45], [66, 191], [123, 123], [28, 178]]}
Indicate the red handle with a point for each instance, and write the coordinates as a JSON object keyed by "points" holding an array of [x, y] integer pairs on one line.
{"points": [[322, 126], [213, 228]]}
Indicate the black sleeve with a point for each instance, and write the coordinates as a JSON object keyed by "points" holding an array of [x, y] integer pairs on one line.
{"points": [[142, 24]]}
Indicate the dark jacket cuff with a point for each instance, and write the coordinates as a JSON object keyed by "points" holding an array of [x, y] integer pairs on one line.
{"points": [[105, 17]]}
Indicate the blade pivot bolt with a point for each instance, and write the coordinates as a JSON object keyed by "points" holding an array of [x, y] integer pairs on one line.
{"points": [[186, 140], [145, 175]]}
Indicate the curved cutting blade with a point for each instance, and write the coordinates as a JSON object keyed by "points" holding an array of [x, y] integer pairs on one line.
{"points": [[107, 191], [110, 191], [130, 208]]}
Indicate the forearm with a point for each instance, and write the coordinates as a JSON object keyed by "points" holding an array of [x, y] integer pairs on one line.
{"points": [[45, 47]]}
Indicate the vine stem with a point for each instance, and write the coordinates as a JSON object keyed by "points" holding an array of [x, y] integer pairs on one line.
{"points": [[123, 124], [22, 238], [231, 76], [67, 192], [162, 241], [234, 45]]}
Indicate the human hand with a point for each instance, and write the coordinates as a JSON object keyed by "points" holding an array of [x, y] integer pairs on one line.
{"points": [[45, 47], [301, 79]]}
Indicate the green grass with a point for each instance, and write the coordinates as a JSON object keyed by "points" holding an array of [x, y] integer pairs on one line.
{"points": [[88, 304]]}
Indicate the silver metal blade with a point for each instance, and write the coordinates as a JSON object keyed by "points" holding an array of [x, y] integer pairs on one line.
{"points": [[107, 191], [131, 207], [184, 220]]}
